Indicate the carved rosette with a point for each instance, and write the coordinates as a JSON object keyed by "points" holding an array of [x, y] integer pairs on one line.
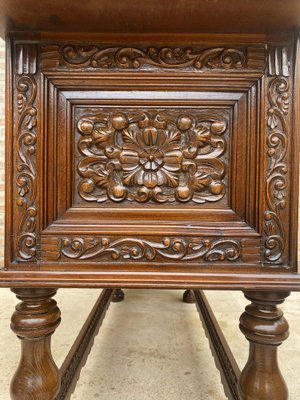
{"points": [[277, 177], [165, 57], [26, 185], [131, 249], [159, 156]]}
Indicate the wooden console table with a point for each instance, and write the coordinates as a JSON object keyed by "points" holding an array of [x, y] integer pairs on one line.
{"points": [[154, 145]]}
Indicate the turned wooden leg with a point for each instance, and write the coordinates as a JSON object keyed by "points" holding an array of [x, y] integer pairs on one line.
{"points": [[188, 296], [34, 321], [118, 296], [265, 327]]}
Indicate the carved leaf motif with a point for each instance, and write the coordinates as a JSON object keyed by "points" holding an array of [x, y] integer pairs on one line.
{"points": [[158, 156], [276, 180], [26, 171], [207, 250]]}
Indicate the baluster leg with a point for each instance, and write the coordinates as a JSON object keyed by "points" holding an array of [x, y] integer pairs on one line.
{"points": [[34, 321], [265, 327]]}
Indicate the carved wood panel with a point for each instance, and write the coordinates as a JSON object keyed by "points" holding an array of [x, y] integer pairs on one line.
{"points": [[152, 155], [135, 155]]}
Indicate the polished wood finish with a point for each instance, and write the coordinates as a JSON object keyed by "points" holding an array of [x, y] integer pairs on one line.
{"points": [[161, 152], [34, 321], [156, 16], [265, 327]]}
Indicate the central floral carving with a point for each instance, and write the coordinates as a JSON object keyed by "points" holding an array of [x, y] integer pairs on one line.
{"points": [[151, 156]]}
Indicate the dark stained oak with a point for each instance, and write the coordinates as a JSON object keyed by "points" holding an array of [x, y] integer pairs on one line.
{"points": [[153, 145]]}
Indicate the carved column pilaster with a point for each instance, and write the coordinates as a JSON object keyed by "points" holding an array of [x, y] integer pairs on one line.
{"points": [[265, 327], [278, 136], [34, 321]]}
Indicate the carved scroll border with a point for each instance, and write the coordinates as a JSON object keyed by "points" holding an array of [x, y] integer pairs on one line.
{"points": [[116, 57], [132, 249], [25, 145], [277, 143]]}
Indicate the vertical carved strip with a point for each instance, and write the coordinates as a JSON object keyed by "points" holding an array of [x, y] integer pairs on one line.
{"points": [[26, 139], [278, 97]]}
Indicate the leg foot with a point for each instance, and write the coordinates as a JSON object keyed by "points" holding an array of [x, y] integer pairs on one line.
{"points": [[118, 296], [265, 327], [34, 321], [188, 296]]}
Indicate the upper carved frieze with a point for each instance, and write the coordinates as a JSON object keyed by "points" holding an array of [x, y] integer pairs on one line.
{"points": [[114, 57]]}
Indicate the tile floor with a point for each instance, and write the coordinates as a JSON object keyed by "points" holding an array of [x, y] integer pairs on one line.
{"points": [[150, 347]]}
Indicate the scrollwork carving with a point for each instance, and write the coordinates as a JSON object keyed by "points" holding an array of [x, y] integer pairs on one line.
{"points": [[165, 57], [26, 170], [276, 180], [159, 156], [206, 250]]}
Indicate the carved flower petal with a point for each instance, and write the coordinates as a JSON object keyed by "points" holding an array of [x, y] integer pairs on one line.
{"points": [[173, 157], [132, 177], [172, 168], [161, 178], [150, 179], [129, 157], [150, 136]]}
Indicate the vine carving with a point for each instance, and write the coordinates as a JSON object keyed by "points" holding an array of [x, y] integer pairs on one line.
{"points": [[26, 169], [206, 250], [159, 156], [95, 56], [276, 180]]}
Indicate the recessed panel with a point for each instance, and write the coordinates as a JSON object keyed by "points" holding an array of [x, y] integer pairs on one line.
{"points": [[125, 156]]}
